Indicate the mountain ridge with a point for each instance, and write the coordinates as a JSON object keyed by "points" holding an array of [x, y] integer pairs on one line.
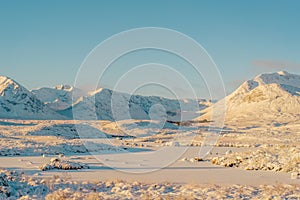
{"points": [[58, 97], [98, 106], [266, 97], [59, 103], [269, 96]]}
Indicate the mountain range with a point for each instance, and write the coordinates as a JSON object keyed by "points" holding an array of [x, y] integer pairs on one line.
{"points": [[61, 102], [274, 97]]}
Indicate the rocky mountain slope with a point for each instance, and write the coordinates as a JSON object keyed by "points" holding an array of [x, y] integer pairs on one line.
{"points": [[18, 103], [58, 98], [98, 106]]}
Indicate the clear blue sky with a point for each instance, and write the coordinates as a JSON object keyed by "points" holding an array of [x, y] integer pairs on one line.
{"points": [[43, 43]]}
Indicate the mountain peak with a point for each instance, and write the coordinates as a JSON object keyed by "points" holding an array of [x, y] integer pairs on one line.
{"points": [[283, 73], [281, 78], [95, 91], [17, 102], [3, 77], [8, 85], [59, 97], [6, 80], [64, 87], [270, 96]]}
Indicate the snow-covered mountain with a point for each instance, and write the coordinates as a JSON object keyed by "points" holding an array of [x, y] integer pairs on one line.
{"points": [[18, 103], [272, 97], [58, 98], [98, 106], [62, 101]]}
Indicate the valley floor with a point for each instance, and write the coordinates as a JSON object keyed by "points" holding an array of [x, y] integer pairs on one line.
{"points": [[259, 162]]}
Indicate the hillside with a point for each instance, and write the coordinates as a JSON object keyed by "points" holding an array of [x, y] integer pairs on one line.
{"points": [[18, 103], [98, 106], [59, 97], [268, 98]]}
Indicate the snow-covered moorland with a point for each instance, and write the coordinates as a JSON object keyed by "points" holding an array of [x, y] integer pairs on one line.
{"points": [[14, 185]]}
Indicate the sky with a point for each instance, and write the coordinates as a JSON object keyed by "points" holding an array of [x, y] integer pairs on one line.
{"points": [[44, 43]]}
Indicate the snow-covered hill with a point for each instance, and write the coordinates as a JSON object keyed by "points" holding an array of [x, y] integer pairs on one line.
{"points": [[19, 103], [58, 98], [272, 98], [98, 106]]}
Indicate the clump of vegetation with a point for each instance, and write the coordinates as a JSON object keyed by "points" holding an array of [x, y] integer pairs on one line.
{"points": [[58, 163], [271, 158]]}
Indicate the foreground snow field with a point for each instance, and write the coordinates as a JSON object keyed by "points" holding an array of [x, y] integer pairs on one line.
{"points": [[14, 185], [28, 145]]}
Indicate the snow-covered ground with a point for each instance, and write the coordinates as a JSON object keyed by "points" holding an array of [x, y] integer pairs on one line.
{"points": [[27, 146], [18, 186]]}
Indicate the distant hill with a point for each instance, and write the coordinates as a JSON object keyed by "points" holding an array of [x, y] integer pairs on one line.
{"points": [[58, 98], [98, 106], [268, 98]]}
